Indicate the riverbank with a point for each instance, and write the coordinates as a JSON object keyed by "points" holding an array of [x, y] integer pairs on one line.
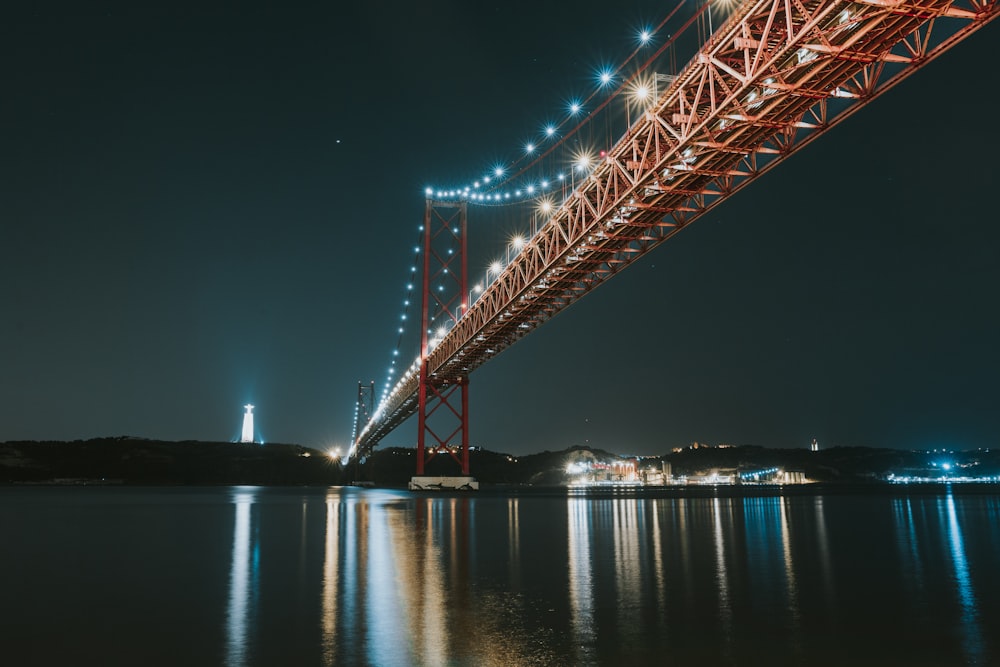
{"points": [[139, 461]]}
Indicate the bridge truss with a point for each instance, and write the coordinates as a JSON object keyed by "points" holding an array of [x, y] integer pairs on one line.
{"points": [[776, 76]]}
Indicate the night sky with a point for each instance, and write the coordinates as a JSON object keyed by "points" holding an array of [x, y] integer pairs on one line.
{"points": [[201, 208]]}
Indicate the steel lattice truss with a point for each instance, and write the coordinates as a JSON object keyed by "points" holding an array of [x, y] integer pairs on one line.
{"points": [[773, 78]]}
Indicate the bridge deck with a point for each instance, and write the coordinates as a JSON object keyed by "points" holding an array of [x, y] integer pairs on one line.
{"points": [[773, 78]]}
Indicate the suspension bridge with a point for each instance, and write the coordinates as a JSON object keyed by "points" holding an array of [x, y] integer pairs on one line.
{"points": [[772, 78]]}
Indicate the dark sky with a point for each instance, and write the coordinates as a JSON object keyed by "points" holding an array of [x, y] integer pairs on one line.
{"points": [[201, 208]]}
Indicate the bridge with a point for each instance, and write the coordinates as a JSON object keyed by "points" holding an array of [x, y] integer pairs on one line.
{"points": [[773, 77]]}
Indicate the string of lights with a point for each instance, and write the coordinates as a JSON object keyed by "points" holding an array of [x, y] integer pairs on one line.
{"points": [[505, 183], [404, 317], [509, 183]]}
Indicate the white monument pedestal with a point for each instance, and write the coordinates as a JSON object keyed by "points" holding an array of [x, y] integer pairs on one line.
{"points": [[444, 484]]}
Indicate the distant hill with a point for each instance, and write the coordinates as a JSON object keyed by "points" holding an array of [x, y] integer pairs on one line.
{"points": [[131, 460]]}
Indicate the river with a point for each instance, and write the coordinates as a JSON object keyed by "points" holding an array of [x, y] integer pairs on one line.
{"points": [[344, 576]]}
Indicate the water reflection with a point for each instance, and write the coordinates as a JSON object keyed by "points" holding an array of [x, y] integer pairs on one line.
{"points": [[919, 533], [331, 558], [581, 594], [421, 580], [628, 576], [514, 543], [383, 606], [913, 565], [243, 578], [972, 634], [786, 550], [770, 555], [721, 574], [434, 580], [823, 546], [658, 567], [914, 571]]}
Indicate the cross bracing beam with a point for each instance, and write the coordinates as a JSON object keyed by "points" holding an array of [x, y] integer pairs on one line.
{"points": [[777, 75]]}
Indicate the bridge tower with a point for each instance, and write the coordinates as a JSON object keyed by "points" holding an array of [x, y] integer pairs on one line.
{"points": [[443, 398], [364, 408]]}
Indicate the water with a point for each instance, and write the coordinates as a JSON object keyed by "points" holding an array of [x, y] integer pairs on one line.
{"points": [[343, 576]]}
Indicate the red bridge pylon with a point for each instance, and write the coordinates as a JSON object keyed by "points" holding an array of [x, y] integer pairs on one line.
{"points": [[443, 400]]}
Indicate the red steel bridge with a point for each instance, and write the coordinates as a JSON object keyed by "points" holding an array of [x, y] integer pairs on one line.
{"points": [[773, 77]]}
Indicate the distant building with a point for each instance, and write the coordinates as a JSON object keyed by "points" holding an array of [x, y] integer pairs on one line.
{"points": [[814, 447], [794, 476], [247, 435]]}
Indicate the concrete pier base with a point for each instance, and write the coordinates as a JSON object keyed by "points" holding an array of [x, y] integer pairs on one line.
{"points": [[444, 484]]}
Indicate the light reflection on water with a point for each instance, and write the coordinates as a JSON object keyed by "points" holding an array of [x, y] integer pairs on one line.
{"points": [[971, 633], [375, 577], [331, 578], [243, 579], [581, 594], [722, 576]]}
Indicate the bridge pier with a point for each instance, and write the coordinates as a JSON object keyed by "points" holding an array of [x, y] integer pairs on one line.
{"points": [[425, 483]]}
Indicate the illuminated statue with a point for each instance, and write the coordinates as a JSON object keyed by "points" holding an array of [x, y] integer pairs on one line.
{"points": [[247, 425]]}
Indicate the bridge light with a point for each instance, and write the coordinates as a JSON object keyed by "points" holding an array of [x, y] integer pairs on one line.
{"points": [[496, 267], [517, 242], [574, 107], [605, 76], [498, 171], [529, 149], [550, 130], [645, 36], [429, 192]]}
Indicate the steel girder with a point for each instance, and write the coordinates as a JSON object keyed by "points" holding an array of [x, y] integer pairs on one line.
{"points": [[773, 78]]}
